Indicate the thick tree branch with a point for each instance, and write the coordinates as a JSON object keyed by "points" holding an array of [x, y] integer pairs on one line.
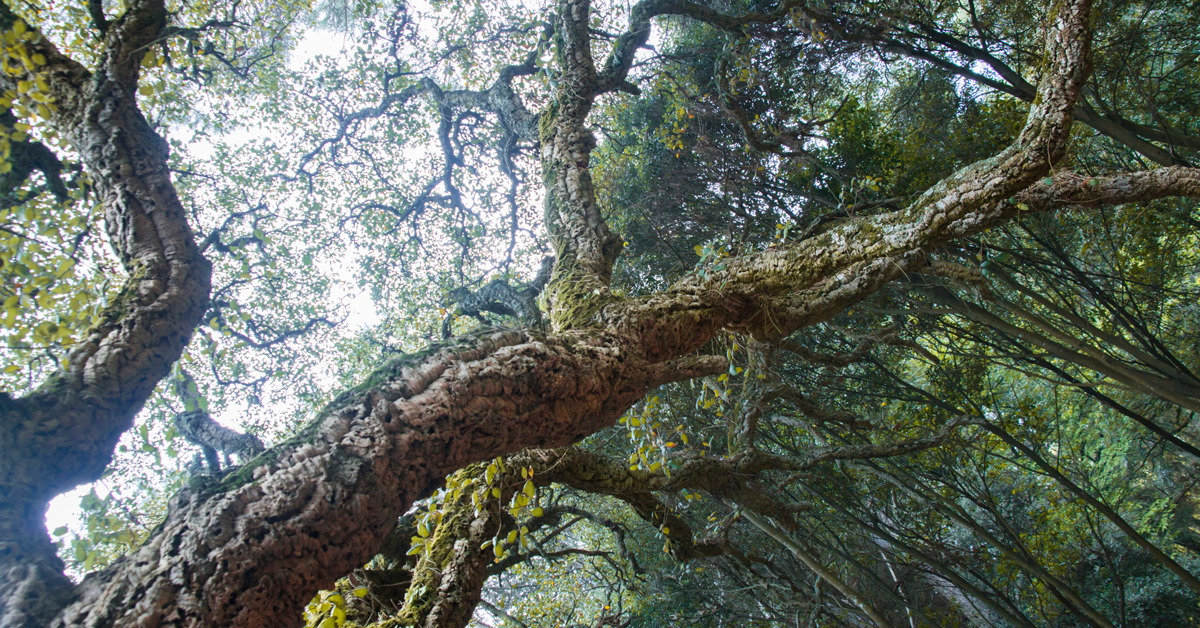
{"points": [[251, 548], [64, 432], [774, 292]]}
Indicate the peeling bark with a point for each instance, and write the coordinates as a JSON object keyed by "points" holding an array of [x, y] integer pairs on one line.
{"points": [[251, 548]]}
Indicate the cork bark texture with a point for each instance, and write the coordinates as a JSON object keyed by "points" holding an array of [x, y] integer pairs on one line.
{"points": [[251, 548]]}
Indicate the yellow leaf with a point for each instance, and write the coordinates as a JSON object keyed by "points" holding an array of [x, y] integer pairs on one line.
{"points": [[489, 474]]}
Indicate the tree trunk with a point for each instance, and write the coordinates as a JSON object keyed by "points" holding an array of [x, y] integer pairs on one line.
{"points": [[251, 548]]}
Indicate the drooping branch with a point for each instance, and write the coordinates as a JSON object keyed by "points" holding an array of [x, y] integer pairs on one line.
{"points": [[823, 572], [1064, 346], [861, 351], [458, 555], [927, 43], [1136, 136], [597, 474], [1109, 513]]}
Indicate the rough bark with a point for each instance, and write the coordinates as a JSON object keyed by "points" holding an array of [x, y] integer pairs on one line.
{"points": [[251, 548], [452, 569], [64, 432]]}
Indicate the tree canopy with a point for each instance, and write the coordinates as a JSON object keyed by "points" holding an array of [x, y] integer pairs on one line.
{"points": [[767, 313]]}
